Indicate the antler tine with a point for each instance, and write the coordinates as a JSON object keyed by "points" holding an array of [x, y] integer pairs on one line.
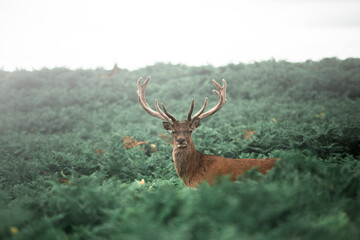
{"points": [[142, 87], [191, 110], [201, 110], [168, 114], [161, 112], [222, 95], [143, 103]]}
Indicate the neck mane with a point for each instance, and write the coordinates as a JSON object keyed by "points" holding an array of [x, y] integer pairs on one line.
{"points": [[186, 160]]}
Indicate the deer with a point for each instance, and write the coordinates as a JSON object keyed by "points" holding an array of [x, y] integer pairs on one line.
{"points": [[192, 166], [115, 70]]}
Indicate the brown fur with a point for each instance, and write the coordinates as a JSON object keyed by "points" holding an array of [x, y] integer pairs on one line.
{"points": [[194, 167]]}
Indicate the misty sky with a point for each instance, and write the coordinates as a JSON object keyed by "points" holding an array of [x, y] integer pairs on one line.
{"points": [[135, 33]]}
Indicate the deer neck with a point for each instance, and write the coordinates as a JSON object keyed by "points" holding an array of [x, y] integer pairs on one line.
{"points": [[186, 160]]}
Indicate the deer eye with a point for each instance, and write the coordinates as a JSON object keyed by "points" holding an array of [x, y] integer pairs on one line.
{"points": [[190, 131], [173, 132]]}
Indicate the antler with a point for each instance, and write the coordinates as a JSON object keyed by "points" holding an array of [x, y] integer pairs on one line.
{"points": [[159, 114], [222, 95]]}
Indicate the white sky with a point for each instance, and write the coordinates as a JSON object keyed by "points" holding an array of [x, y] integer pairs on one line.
{"points": [[135, 33]]}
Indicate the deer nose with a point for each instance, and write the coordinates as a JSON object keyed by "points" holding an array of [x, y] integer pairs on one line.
{"points": [[181, 140]]}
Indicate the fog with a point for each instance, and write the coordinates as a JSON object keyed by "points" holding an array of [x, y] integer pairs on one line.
{"points": [[133, 34]]}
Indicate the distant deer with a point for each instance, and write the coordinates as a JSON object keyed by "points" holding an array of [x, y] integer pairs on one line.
{"points": [[192, 166], [115, 70]]}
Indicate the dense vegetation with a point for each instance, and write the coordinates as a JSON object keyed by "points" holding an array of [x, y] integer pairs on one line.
{"points": [[65, 173]]}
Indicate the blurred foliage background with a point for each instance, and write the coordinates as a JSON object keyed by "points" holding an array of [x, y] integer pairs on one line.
{"points": [[66, 174]]}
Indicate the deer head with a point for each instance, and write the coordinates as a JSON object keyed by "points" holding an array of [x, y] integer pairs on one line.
{"points": [[181, 130]]}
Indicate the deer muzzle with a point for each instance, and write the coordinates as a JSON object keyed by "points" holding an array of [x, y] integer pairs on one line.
{"points": [[181, 143]]}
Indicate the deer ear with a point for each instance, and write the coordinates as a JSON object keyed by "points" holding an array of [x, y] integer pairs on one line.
{"points": [[195, 123], [168, 126]]}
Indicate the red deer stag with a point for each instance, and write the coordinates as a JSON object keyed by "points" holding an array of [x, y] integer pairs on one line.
{"points": [[192, 166], [115, 70]]}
